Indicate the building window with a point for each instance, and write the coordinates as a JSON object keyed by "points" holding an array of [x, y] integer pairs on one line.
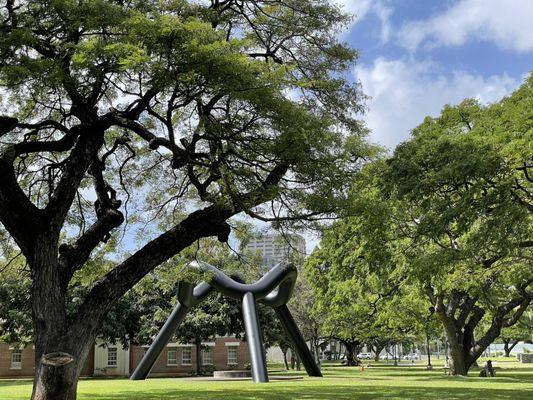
{"points": [[186, 356], [111, 356], [232, 355], [207, 356], [172, 357], [16, 359]]}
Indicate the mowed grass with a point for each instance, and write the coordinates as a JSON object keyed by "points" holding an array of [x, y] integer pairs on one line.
{"points": [[514, 381]]}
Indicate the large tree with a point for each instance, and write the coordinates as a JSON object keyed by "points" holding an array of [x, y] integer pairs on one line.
{"points": [[177, 114], [464, 199], [449, 212]]}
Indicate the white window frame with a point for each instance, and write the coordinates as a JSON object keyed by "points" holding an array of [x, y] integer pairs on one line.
{"points": [[110, 362], [187, 361], [16, 364], [233, 360], [205, 352], [174, 362]]}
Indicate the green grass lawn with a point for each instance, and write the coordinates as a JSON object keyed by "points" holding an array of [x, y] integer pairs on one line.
{"points": [[381, 381]]}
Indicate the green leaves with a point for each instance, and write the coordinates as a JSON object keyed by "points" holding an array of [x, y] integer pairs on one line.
{"points": [[448, 213], [15, 304]]}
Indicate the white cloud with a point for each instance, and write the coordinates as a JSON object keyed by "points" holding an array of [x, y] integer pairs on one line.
{"points": [[362, 8], [357, 7], [507, 23], [383, 13], [404, 92]]}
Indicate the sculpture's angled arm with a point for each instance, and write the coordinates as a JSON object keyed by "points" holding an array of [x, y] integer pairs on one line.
{"points": [[297, 340], [282, 294], [188, 297]]}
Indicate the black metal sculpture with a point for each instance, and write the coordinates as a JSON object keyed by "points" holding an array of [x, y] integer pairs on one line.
{"points": [[274, 289]]}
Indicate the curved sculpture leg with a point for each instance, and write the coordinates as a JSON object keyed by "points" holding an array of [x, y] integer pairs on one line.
{"points": [[164, 335], [255, 341], [292, 331]]}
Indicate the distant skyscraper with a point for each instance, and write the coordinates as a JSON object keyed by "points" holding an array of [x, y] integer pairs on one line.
{"points": [[274, 247]]}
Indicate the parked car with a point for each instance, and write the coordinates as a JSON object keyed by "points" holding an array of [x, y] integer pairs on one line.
{"points": [[387, 357], [364, 356], [412, 356]]}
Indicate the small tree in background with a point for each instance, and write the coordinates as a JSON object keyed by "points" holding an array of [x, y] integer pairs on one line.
{"points": [[521, 331]]}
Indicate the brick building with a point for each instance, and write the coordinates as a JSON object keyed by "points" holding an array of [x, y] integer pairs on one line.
{"points": [[15, 362], [112, 360]]}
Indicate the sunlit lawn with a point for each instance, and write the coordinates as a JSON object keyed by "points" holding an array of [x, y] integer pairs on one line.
{"points": [[514, 381]]}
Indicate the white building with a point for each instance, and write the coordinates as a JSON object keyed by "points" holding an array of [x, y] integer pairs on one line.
{"points": [[275, 248], [111, 360]]}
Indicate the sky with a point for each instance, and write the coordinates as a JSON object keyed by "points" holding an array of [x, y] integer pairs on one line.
{"points": [[415, 56]]}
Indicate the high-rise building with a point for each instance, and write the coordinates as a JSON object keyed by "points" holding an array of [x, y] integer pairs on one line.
{"points": [[276, 248]]}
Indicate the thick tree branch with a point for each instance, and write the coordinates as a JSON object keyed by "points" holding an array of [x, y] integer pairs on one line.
{"points": [[75, 255], [202, 223], [18, 214], [7, 124], [108, 214], [61, 145], [75, 167], [500, 321]]}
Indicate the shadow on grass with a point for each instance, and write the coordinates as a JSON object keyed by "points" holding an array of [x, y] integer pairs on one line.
{"points": [[317, 392], [14, 382]]}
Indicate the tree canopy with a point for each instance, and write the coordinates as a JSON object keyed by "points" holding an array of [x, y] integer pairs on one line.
{"points": [[449, 213], [463, 184]]}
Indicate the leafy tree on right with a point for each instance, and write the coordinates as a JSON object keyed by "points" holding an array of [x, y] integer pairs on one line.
{"points": [[451, 213], [464, 189]]}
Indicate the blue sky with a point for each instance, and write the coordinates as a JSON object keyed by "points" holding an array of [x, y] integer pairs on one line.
{"points": [[418, 55]]}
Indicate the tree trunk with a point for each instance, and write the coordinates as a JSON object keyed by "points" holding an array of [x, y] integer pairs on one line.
{"points": [[198, 344], [459, 344], [284, 351], [377, 351], [56, 377], [506, 348], [350, 357], [458, 364], [351, 349], [316, 350], [460, 356], [60, 353], [58, 364]]}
